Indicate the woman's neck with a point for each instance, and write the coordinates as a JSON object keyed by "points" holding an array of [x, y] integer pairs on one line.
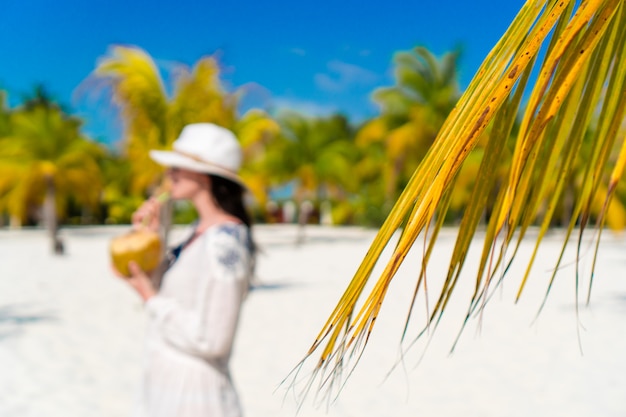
{"points": [[209, 213]]}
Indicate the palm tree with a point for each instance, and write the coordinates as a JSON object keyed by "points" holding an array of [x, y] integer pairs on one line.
{"points": [[153, 119], [578, 93], [258, 133], [119, 202], [316, 154], [412, 112], [45, 160]]}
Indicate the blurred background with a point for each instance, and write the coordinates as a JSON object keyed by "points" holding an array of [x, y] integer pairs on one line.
{"points": [[335, 103]]}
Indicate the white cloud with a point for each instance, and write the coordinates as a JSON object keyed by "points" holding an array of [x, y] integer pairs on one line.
{"points": [[254, 96], [298, 51], [307, 107], [341, 76]]}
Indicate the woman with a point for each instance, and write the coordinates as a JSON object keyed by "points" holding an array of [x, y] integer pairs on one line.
{"points": [[193, 315]]}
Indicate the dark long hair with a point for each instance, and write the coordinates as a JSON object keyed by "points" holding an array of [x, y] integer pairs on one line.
{"points": [[229, 197]]}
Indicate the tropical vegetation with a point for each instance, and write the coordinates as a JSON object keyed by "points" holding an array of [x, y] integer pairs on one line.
{"points": [[533, 141], [323, 160], [537, 140], [46, 165]]}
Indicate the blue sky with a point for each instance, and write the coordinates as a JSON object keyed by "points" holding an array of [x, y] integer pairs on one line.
{"points": [[316, 57]]}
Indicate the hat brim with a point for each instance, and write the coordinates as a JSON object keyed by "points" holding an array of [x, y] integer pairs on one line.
{"points": [[176, 160]]}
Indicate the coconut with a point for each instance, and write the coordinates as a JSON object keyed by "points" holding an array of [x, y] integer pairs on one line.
{"points": [[140, 246]]}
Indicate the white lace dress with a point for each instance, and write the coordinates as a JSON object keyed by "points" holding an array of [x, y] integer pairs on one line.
{"points": [[192, 324]]}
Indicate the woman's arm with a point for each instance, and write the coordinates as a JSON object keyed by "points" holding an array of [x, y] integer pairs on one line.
{"points": [[209, 329]]}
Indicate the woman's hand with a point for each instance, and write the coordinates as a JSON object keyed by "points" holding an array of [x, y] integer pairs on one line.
{"points": [[147, 216], [139, 280]]}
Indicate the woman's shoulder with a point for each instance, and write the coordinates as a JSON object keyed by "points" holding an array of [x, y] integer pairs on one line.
{"points": [[228, 234], [228, 229], [228, 248]]}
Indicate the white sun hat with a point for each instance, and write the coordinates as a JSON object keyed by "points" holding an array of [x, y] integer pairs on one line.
{"points": [[206, 148]]}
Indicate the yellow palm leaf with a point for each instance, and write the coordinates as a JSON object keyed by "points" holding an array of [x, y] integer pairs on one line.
{"points": [[583, 71]]}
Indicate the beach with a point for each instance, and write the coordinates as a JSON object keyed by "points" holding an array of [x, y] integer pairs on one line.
{"points": [[71, 334]]}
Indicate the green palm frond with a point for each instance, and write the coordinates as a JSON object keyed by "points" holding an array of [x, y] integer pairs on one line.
{"points": [[152, 118], [199, 96], [136, 84], [576, 101], [412, 112], [257, 132], [315, 152], [136, 88], [45, 142]]}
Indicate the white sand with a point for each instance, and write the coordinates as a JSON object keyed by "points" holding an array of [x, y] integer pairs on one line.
{"points": [[71, 333]]}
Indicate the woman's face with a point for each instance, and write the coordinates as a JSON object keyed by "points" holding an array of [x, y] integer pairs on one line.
{"points": [[186, 184]]}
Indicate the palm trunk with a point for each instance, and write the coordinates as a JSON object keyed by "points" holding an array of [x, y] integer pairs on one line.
{"points": [[50, 216], [300, 221], [15, 222]]}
